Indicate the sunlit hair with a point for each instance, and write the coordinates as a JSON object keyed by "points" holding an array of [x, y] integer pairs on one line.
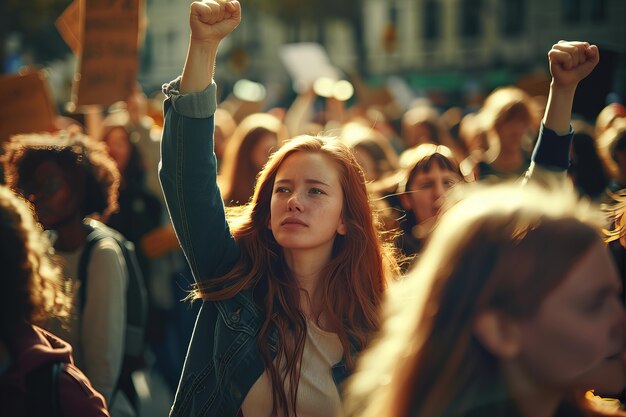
{"points": [[426, 116], [607, 117], [237, 171], [352, 283], [611, 141], [421, 159], [413, 161], [503, 248], [84, 160], [363, 139], [508, 103], [31, 289], [472, 133]]}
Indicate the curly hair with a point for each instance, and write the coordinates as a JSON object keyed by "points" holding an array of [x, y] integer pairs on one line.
{"points": [[79, 156], [31, 287]]}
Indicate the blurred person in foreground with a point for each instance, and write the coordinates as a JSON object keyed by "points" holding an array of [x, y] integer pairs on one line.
{"points": [[72, 181], [31, 292]]}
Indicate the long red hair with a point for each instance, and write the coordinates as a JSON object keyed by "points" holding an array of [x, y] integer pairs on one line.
{"points": [[353, 282]]}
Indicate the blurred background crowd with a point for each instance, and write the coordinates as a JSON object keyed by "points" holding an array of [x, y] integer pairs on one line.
{"points": [[428, 93]]}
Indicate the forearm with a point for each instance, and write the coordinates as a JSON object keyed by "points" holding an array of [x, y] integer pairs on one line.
{"points": [[559, 108], [199, 66]]}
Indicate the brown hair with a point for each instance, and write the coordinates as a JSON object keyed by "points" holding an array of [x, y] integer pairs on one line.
{"points": [[237, 172], [362, 138], [507, 103], [421, 158]]}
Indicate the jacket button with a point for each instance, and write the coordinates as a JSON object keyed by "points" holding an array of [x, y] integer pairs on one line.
{"points": [[234, 317]]}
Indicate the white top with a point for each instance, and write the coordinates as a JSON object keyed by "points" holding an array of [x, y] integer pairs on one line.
{"points": [[317, 392], [97, 335]]}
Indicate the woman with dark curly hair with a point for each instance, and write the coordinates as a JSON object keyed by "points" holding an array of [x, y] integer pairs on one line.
{"points": [[69, 178], [31, 292]]}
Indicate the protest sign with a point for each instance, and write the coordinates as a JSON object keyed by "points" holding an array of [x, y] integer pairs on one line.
{"points": [[69, 26], [306, 63], [108, 61], [26, 104]]}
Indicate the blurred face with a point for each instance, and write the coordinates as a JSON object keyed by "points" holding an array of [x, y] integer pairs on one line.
{"points": [[425, 189], [52, 195], [119, 147], [511, 132], [307, 203], [262, 150], [578, 331]]}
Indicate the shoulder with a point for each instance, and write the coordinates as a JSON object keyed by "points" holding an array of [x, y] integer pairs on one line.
{"points": [[107, 264], [106, 249]]}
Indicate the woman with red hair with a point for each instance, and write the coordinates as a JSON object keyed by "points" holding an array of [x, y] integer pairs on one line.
{"points": [[291, 282]]}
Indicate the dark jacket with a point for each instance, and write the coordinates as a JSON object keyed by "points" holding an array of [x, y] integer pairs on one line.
{"points": [[32, 347]]}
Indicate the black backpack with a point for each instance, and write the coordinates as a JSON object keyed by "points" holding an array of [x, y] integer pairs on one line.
{"points": [[136, 302]]}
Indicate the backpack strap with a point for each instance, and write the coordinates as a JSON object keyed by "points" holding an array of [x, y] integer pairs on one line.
{"points": [[93, 237], [42, 390]]}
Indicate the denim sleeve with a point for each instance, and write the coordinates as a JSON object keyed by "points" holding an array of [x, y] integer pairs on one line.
{"points": [[550, 158], [188, 174], [552, 150]]}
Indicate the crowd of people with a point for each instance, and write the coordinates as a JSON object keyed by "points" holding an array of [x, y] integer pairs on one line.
{"points": [[323, 266]]}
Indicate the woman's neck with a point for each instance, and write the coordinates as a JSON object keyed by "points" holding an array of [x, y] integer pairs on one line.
{"points": [[306, 268]]}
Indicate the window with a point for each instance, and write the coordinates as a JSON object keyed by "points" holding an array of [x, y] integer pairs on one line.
{"points": [[431, 19], [471, 22], [513, 17]]}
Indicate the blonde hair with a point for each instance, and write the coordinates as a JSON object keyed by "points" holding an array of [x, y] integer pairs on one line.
{"points": [[505, 248]]}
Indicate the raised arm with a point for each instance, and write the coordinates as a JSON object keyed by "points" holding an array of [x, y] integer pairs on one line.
{"points": [[210, 21], [570, 63], [188, 169]]}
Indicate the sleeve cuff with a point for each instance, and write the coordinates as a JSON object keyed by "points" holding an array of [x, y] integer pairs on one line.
{"points": [[199, 105], [552, 150]]}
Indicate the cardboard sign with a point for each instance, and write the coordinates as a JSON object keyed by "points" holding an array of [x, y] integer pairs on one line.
{"points": [[26, 104], [306, 63], [109, 52], [69, 24]]}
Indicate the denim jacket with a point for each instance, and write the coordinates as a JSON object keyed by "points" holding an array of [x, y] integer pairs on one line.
{"points": [[223, 361]]}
